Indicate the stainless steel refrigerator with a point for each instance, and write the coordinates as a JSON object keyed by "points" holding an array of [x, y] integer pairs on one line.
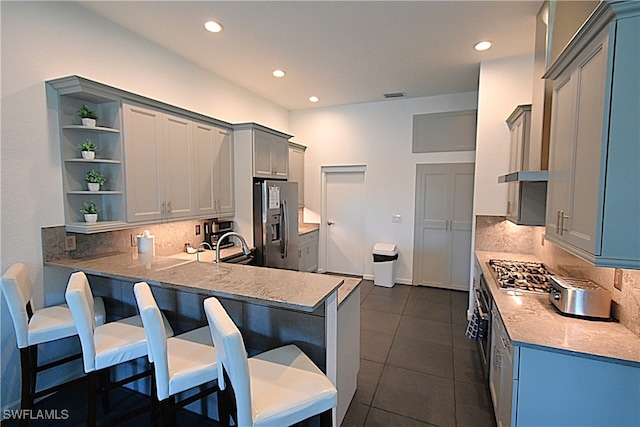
{"points": [[275, 224]]}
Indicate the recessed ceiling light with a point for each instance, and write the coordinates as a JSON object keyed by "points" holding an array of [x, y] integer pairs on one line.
{"points": [[278, 73], [314, 99], [483, 45], [213, 26]]}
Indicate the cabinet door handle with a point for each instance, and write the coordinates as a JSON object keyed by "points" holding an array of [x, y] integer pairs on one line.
{"points": [[562, 218], [558, 222], [163, 210], [169, 206]]}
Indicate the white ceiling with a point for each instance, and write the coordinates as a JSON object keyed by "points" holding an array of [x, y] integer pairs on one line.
{"points": [[344, 52]]}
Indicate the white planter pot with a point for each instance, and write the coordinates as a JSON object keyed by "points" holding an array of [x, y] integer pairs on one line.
{"points": [[93, 186], [89, 122], [89, 155], [91, 217]]}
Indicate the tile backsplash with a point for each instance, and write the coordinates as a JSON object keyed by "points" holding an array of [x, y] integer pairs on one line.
{"points": [[496, 234], [169, 239]]}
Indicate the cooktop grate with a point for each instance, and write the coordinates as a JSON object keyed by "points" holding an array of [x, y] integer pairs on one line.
{"points": [[521, 275]]}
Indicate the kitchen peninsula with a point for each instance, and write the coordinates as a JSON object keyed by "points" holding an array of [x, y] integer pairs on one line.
{"points": [[271, 307]]}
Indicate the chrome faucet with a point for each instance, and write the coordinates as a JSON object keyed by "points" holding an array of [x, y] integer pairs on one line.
{"points": [[245, 248], [198, 249]]}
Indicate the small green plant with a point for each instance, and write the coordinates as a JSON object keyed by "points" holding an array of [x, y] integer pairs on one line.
{"points": [[89, 208], [87, 113], [94, 176], [88, 145]]}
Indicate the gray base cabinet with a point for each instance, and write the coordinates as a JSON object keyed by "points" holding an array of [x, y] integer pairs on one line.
{"points": [[594, 179], [308, 251], [536, 387]]}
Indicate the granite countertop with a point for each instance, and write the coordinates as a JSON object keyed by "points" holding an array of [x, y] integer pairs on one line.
{"points": [[532, 321], [267, 286], [307, 227]]}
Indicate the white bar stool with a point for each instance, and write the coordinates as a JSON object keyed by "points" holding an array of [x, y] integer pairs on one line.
{"points": [[279, 387], [180, 363], [105, 345], [35, 327]]}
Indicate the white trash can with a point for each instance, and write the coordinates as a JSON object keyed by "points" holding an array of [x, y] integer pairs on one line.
{"points": [[384, 264]]}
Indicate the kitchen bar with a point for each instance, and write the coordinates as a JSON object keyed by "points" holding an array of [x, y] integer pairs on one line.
{"points": [[272, 307]]}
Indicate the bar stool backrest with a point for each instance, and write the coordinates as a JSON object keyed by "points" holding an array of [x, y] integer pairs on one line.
{"points": [[80, 301], [18, 291], [232, 356], [156, 336]]}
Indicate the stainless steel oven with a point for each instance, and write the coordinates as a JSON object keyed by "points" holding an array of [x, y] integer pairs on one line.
{"points": [[483, 303]]}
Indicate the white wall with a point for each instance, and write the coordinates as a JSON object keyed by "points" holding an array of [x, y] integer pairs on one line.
{"points": [[378, 134], [504, 84], [45, 40]]}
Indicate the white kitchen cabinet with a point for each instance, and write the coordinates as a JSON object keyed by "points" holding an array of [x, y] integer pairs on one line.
{"points": [[296, 169], [214, 170], [594, 179], [308, 251], [159, 154], [72, 93], [270, 155]]}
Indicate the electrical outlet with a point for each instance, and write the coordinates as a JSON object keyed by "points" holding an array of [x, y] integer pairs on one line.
{"points": [[134, 241], [197, 229], [617, 279], [70, 243]]}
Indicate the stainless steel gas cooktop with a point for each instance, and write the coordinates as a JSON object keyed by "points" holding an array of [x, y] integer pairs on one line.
{"points": [[521, 275]]}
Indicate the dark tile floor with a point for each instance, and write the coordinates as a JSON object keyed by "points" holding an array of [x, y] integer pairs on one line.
{"points": [[417, 368]]}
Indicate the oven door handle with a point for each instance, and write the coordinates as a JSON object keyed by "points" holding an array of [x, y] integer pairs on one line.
{"points": [[481, 312]]}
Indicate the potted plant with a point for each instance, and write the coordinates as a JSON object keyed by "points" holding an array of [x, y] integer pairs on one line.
{"points": [[90, 212], [87, 115], [94, 180], [88, 149]]}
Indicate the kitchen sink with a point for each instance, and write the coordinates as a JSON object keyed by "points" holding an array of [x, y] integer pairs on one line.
{"points": [[241, 258]]}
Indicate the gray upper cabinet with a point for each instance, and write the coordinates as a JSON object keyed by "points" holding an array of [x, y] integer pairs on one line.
{"points": [[160, 162], [159, 158], [270, 155], [526, 197], [72, 92], [214, 170], [593, 205], [296, 169]]}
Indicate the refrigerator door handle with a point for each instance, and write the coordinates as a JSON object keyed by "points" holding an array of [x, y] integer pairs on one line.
{"points": [[285, 228]]}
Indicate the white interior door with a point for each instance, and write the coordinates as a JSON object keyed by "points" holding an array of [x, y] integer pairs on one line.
{"points": [[342, 230], [442, 241]]}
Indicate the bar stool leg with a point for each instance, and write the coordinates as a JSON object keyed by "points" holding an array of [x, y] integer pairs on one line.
{"points": [[28, 373], [92, 378], [105, 381], [33, 350]]}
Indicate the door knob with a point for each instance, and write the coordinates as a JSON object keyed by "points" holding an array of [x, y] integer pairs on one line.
{"points": [[330, 222]]}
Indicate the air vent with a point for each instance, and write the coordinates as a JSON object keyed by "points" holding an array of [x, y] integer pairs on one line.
{"points": [[394, 95]]}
